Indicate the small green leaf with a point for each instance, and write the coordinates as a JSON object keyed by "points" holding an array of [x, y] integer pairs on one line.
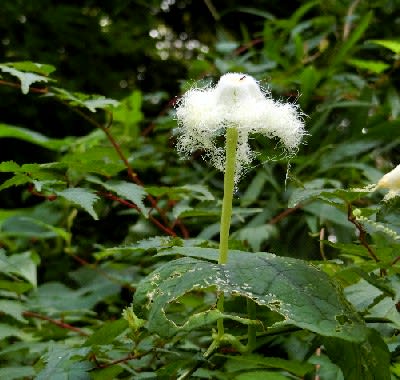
{"points": [[14, 309], [349, 43], [66, 363], [376, 67], [257, 235], [99, 160], [99, 102], [12, 331], [38, 68], [108, 373], [81, 197], [128, 113], [26, 78], [334, 197], [8, 166], [91, 102], [129, 191], [21, 264], [17, 180], [15, 287], [33, 137], [309, 79], [107, 333], [392, 45]]}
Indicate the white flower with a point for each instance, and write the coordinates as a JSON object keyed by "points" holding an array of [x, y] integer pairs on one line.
{"points": [[390, 181], [236, 101]]}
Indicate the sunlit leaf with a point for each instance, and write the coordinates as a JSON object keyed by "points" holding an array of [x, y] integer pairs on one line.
{"points": [[26, 78], [392, 45], [373, 66]]}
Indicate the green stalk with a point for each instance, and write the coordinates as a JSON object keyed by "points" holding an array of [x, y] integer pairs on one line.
{"points": [[231, 140], [229, 184], [251, 329]]}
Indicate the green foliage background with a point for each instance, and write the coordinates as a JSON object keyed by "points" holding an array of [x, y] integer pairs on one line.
{"points": [[97, 208]]}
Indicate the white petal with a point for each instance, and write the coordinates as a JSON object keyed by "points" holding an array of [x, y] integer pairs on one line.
{"points": [[390, 180]]}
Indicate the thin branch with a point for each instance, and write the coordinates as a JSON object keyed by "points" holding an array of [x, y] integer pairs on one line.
{"points": [[124, 202], [118, 199], [395, 261], [165, 109], [132, 175], [248, 45], [362, 234], [102, 273], [212, 10], [321, 243], [123, 360], [162, 227], [347, 25], [18, 85], [31, 189], [284, 214], [113, 142], [55, 322]]}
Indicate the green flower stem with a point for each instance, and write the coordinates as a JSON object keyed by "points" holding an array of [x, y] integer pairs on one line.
{"points": [[231, 140], [229, 184], [251, 329], [220, 322]]}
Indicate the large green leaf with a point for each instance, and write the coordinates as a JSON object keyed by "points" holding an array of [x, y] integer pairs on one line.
{"points": [[303, 295], [11, 373]]}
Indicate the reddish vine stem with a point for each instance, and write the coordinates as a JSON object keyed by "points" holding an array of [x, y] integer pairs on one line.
{"points": [[395, 261], [32, 190], [102, 273], [128, 204], [284, 214], [118, 199], [132, 175], [122, 360], [113, 142], [152, 125], [166, 229], [247, 46], [55, 322], [31, 89], [362, 234]]}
